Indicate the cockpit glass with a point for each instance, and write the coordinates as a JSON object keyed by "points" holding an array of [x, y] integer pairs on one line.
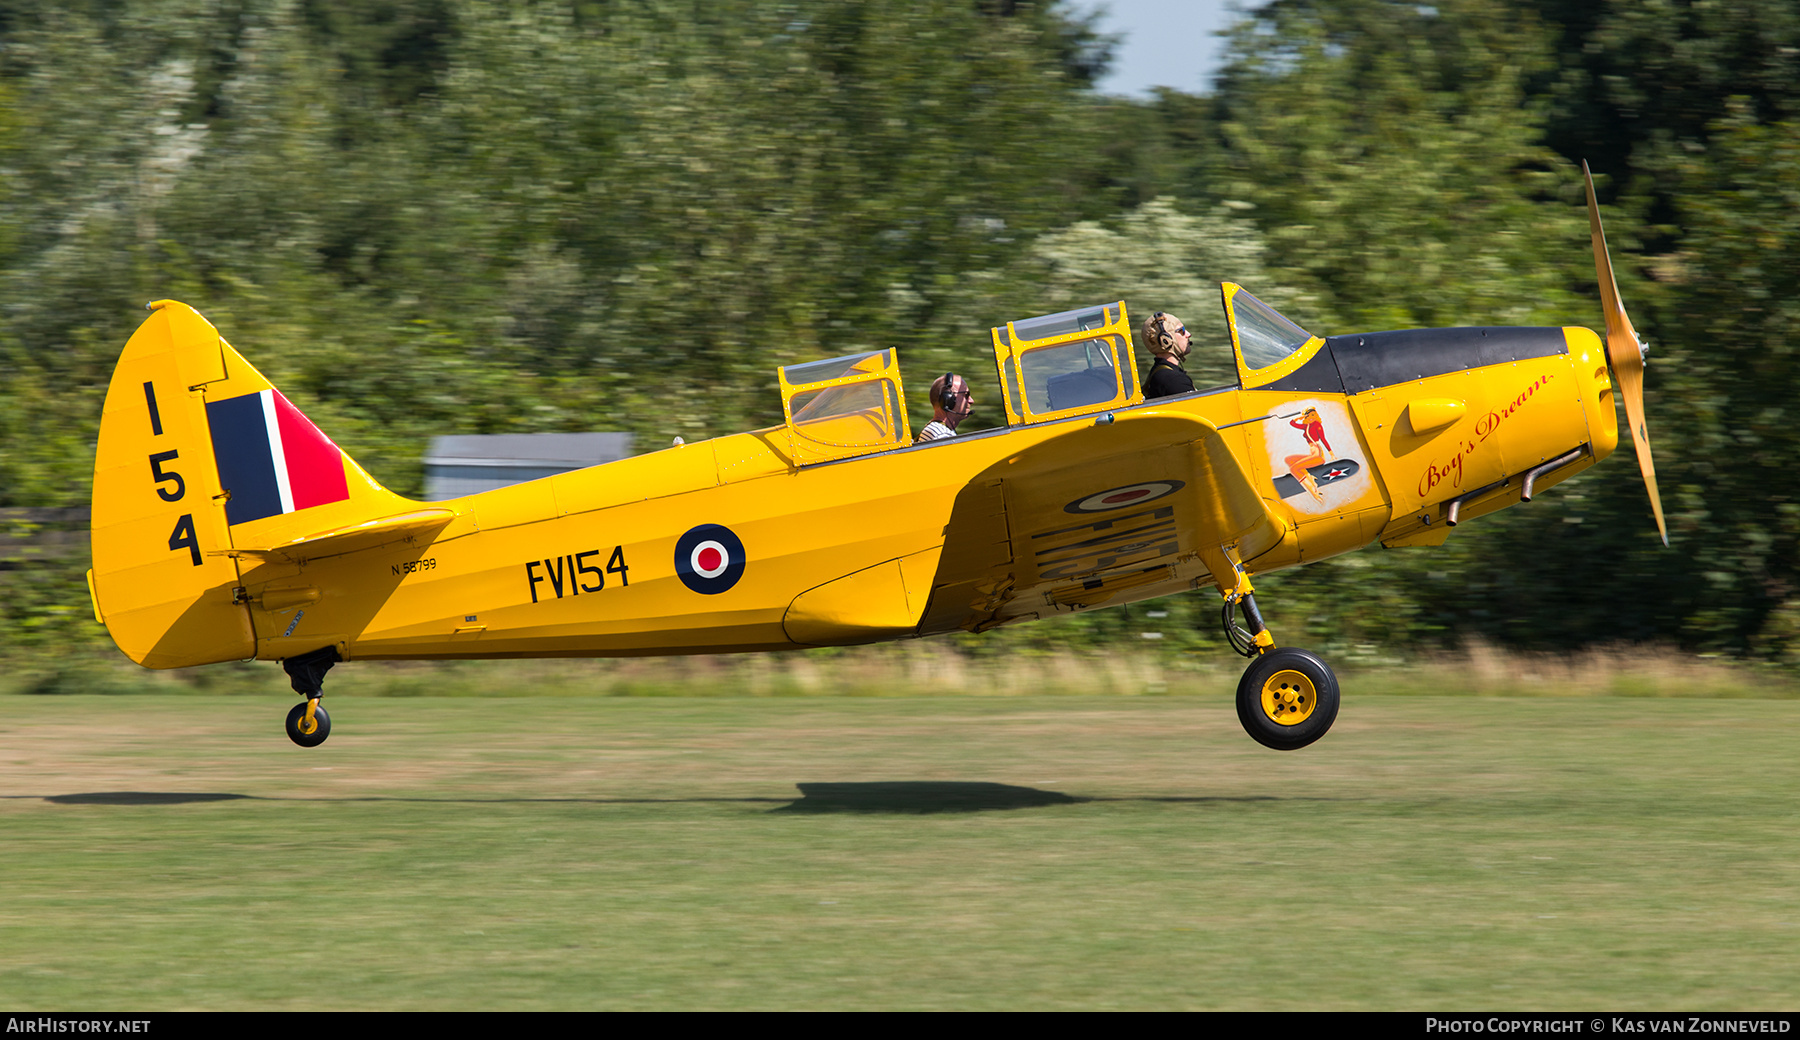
{"points": [[842, 407], [1264, 336], [1082, 319], [1071, 375], [814, 405], [834, 368], [1044, 379]]}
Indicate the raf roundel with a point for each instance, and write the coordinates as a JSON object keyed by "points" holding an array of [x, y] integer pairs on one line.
{"points": [[709, 559], [1120, 497]]}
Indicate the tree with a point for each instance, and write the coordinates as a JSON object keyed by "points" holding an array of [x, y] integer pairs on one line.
{"points": [[1394, 161]]}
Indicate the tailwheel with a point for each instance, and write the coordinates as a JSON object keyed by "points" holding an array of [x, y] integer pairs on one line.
{"points": [[1287, 699], [308, 732]]}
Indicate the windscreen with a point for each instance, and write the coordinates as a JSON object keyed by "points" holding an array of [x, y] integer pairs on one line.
{"points": [[1264, 336]]}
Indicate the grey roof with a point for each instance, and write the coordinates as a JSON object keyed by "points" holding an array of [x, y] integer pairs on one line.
{"points": [[532, 450]]}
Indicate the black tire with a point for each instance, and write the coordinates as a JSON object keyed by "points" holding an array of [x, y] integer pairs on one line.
{"points": [[1302, 700], [318, 735]]}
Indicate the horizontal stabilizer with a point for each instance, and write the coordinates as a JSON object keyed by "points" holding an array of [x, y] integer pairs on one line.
{"points": [[366, 535]]}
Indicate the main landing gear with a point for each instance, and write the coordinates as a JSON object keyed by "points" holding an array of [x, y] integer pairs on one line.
{"points": [[308, 724], [1288, 697]]}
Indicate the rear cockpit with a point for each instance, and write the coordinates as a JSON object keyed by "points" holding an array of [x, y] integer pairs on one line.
{"points": [[843, 407]]}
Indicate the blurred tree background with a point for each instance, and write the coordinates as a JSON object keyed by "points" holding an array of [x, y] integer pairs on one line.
{"points": [[423, 217]]}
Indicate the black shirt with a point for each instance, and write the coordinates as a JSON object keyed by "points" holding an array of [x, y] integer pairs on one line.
{"points": [[1166, 379]]}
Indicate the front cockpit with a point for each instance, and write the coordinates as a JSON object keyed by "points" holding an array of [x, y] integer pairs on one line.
{"points": [[1265, 344], [1066, 364]]}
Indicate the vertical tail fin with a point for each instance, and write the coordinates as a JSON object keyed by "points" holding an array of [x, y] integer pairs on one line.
{"points": [[198, 455]]}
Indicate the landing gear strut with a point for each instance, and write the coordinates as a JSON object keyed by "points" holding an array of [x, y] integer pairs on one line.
{"points": [[1288, 697], [308, 724]]}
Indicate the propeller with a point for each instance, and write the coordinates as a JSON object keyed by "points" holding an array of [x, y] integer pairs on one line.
{"points": [[1626, 352]]}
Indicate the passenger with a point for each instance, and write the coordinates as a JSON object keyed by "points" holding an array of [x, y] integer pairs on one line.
{"points": [[951, 403], [1167, 338]]}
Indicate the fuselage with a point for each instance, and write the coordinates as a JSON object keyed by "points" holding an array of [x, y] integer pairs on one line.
{"points": [[899, 543]]}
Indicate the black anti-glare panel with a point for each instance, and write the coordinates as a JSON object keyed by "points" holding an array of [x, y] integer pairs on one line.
{"points": [[1374, 359], [1318, 375]]}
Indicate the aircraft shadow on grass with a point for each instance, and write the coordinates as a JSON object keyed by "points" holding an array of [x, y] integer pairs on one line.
{"points": [[921, 796], [142, 797], [896, 796], [940, 796], [886, 796]]}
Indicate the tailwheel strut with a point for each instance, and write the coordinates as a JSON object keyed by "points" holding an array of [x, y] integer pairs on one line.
{"points": [[308, 723]]}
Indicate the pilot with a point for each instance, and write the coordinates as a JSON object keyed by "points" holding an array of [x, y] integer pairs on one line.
{"points": [[951, 403], [1167, 338]]}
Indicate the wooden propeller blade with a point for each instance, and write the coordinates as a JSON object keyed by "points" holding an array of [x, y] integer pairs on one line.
{"points": [[1625, 352]]}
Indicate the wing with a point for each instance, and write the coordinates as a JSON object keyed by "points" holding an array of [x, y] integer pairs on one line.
{"points": [[1148, 504]]}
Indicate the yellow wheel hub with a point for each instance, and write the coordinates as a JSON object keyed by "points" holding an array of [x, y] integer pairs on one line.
{"points": [[306, 724], [1289, 697]]}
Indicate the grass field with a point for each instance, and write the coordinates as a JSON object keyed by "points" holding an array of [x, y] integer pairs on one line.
{"points": [[172, 852]]}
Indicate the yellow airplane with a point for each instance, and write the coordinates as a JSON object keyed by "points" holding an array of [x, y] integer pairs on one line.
{"points": [[226, 526]]}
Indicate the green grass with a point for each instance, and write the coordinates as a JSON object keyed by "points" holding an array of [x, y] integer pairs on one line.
{"points": [[938, 666], [171, 852]]}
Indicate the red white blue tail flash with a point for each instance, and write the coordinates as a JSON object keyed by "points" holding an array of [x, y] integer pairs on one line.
{"points": [[272, 460]]}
